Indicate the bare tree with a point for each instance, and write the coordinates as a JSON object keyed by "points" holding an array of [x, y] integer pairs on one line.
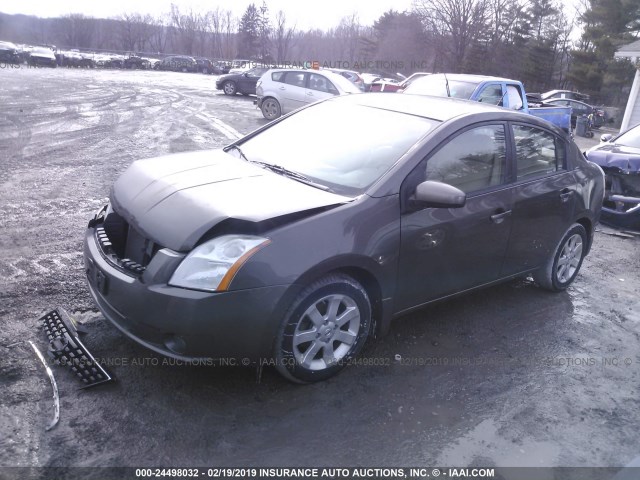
{"points": [[185, 28], [460, 22], [282, 37], [135, 31], [159, 34], [76, 30], [229, 26]]}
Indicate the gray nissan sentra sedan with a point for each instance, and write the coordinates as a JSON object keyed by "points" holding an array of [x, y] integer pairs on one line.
{"points": [[300, 241]]}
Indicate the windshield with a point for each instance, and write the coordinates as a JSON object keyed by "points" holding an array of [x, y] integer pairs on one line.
{"points": [[342, 146], [436, 85], [630, 138]]}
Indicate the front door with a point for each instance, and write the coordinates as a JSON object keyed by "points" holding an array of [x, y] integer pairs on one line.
{"points": [[447, 250]]}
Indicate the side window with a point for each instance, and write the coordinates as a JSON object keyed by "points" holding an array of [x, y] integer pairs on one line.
{"points": [[294, 78], [277, 76], [322, 84], [472, 161], [491, 94], [538, 152]]}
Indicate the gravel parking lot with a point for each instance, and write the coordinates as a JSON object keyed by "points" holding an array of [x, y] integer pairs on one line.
{"points": [[508, 376]]}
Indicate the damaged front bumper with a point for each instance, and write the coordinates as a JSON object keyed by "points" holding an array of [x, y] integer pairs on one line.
{"points": [[184, 324], [621, 206]]}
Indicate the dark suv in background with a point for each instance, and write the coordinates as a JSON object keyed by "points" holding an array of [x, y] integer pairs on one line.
{"points": [[178, 63]]}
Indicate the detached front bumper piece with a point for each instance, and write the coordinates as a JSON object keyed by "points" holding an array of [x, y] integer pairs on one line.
{"points": [[65, 348]]}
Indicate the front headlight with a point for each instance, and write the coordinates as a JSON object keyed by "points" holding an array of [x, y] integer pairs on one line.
{"points": [[212, 265]]}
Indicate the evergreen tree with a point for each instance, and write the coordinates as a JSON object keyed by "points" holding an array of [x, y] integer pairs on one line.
{"points": [[249, 33], [608, 24]]}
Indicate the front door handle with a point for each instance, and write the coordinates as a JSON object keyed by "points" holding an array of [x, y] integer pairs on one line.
{"points": [[500, 215], [565, 195]]}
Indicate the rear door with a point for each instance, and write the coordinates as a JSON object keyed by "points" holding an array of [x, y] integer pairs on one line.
{"points": [[319, 87], [293, 91], [447, 250], [544, 197]]}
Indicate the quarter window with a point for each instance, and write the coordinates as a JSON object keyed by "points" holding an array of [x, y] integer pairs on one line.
{"points": [[538, 152], [277, 76], [474, 160]]}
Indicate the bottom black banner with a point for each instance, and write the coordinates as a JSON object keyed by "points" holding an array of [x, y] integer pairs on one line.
{"points": [[329, 473]]}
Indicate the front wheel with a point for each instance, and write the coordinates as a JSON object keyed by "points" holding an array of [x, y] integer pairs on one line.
{"points": [[229, 88], [562, 268], [270, 108], [327, 326]]}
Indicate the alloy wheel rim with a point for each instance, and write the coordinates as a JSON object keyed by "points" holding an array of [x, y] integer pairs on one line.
{"points": [[270, 109], [229, 88], [569, 259], [326, 332]]}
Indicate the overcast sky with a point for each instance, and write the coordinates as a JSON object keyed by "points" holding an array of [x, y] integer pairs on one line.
{"points": [[304, 13]]}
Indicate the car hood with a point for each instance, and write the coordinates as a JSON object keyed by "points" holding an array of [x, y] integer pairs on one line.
{"points": [[176, 199], [621, 157]]}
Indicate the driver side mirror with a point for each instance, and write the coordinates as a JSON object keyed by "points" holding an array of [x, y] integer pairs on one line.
{"points": [[430, 194], [606, 137]]}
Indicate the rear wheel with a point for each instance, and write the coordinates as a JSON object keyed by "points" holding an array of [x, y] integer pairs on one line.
{"points": [[562, 268], [327, 325], [270, 108]]}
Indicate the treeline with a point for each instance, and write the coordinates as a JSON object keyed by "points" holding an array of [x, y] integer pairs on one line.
{"points": [[542, 42]]}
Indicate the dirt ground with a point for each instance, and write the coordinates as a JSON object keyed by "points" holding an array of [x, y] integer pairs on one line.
{"points": [[508, 376]]}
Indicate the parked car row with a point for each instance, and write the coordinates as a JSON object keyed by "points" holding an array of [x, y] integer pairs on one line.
{"points": [[52, 56]]}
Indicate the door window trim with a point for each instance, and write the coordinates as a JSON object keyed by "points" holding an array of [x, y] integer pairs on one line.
{"points": [[507, 174], [514, 157]]}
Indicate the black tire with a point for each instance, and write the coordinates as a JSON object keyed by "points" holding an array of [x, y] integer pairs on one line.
{"points": [[330, 344], [270, 108], [229, 88], [563, 267]]}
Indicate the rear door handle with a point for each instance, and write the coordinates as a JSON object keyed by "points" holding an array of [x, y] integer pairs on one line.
{"points": [[565, 194], [282, 88], [500, 215]]}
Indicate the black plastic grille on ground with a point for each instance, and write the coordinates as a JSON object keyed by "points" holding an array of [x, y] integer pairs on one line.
{"points": [[65, 348]]}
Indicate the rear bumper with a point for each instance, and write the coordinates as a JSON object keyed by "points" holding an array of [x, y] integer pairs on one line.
{"points": [[181, 323]]}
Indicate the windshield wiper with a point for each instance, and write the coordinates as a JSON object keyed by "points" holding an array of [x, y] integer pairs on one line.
{"points": [[282, 171], [291, 174]]}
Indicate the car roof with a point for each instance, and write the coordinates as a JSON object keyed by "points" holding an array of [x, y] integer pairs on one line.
{"points": [[436, 108], [464, 77], [327, 72]]}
